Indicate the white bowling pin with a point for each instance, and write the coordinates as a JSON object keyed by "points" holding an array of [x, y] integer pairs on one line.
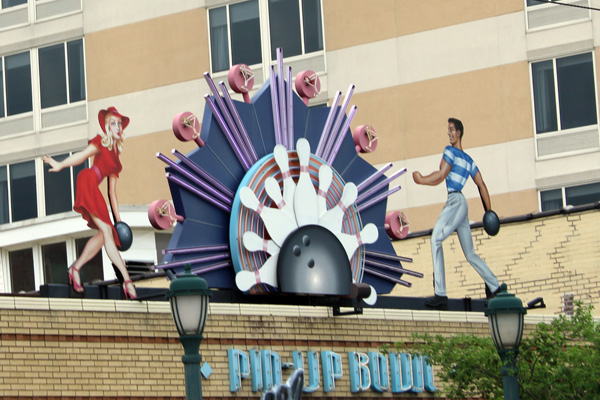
{"points": [[372, 298], [367, 235], [333, 218], [325, 177], [274, 192], [289, 186], [252, 242], [306, 206], [244, 280], [278, 224]]}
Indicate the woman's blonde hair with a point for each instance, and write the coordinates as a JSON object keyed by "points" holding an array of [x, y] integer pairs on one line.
{"points": [[107, 137]]}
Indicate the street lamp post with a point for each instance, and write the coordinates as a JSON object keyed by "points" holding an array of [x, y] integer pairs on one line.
{"points": [[505, 314], [188, 296]]}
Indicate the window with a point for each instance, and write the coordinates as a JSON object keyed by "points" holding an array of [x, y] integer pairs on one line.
{"points": [[237, 35], [61, 74], [23, 191], [16, 84], [564, 93], [54, 258], [21, 270], [286, 30], [19, 198], [555, 199], [93, 268], [531, 3], [12, 3], [4, 210]]}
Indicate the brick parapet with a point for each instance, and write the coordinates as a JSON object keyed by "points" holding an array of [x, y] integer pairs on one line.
{"points": [[75, 353], [541, 257]]}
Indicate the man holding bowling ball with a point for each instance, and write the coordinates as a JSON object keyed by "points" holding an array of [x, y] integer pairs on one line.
{"points": [[455, 168]]}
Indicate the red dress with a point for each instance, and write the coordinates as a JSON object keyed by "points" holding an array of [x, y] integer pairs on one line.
{"points": [[88, 198]]}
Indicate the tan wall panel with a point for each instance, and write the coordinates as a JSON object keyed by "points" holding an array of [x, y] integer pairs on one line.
{"points": [[355, 22], [147, 54], [143, 177], [381, 109], [418, 16], [494, 105], [367, 22], [505, 205]]}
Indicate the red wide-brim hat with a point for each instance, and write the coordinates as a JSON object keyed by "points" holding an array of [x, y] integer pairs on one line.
{"points": [[111, 110]]}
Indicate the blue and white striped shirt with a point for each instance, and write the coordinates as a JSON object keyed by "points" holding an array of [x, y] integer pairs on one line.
{"points": [[462, 166]]}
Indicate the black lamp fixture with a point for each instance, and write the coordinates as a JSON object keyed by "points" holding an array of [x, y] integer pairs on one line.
{"points": [[505, 314], [188, 295]]}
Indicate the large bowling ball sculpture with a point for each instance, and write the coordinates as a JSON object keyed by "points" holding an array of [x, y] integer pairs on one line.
{"points": [[276, 198], [312, 260]]}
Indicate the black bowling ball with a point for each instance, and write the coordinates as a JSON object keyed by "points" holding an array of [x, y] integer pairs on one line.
{"points": [[313, 260], [125, 235], [491, 223]]}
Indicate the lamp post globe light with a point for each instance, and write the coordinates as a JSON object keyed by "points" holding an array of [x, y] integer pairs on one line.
{"points": [[188, 295], [505, 314]]}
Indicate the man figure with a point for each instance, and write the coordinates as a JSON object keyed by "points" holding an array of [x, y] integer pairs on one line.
{"points": [[456, 167]]}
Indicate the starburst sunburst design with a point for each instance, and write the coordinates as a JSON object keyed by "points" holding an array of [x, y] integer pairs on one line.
{"points": [[245, 189]]}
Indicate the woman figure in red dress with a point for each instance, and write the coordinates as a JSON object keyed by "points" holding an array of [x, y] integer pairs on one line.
{"points": [[89, 202]]}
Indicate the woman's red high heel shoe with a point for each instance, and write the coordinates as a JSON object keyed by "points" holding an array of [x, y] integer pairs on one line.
{"points": [[131, 294], [76, 283]]}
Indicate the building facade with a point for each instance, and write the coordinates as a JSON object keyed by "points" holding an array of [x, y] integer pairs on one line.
{"points": [[520, 74]]}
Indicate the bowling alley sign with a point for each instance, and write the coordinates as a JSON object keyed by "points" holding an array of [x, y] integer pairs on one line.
{"points": [[276, 197]]}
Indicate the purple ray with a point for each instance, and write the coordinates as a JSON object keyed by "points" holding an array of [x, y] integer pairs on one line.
{"points": [[373, 177], [198, 192], [379, 185], [194, 179], [328, 122], [214, 257], [226, 116], [209, 268], [244, 139], [338, 142], [199, 249], [281, 98], [275, 106], [394, 268], [203, 174], [338, 121], [290, 108], [371, 253], [228, 135], [377, 199], [387, 277]]}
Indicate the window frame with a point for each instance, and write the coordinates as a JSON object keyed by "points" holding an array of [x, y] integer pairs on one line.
{"points": [[545, 8], [562, 133], [265, 38], [38, 262], [563, 193], [40, 188], [31, 7], [3, 57], [38, 113]]}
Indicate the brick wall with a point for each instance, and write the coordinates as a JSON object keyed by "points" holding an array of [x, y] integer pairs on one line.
{"points": [[74, 348], [548, 257]]}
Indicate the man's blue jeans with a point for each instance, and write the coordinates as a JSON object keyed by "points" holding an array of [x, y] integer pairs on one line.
{"points": [[454, 217]]}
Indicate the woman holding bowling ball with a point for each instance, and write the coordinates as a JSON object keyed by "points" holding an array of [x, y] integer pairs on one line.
{"points": [[89, 202]]}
